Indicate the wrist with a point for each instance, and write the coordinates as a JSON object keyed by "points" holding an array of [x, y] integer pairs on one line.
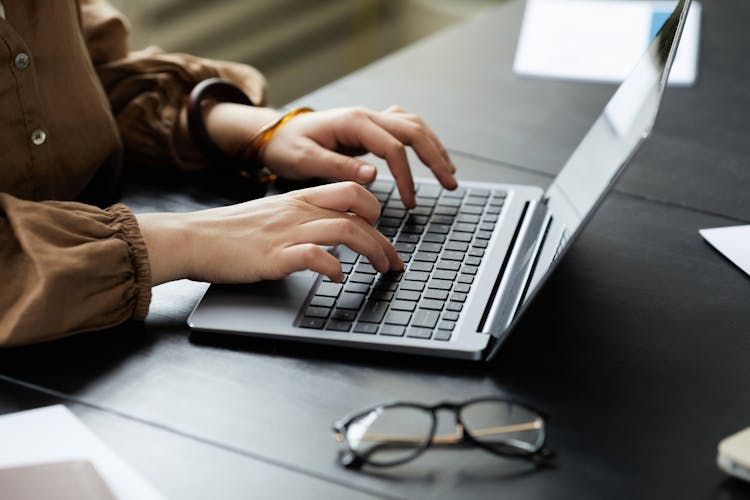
{"points": [[231, 125], [167, 246]]}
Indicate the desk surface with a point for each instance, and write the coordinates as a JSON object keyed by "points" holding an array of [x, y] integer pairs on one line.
{"points": [[637, 347]]}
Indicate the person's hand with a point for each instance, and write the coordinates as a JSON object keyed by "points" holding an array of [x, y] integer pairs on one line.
{"points": [[310, 145], [268, 238]]}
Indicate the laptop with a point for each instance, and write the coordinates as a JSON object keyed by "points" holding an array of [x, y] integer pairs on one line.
{"points": [[475, 257]]}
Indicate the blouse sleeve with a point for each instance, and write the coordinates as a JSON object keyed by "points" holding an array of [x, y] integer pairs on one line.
{"points": [[67, 267], [147, 89]]}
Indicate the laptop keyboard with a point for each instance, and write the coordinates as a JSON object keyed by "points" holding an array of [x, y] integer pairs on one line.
{"points": [[442, 242]]}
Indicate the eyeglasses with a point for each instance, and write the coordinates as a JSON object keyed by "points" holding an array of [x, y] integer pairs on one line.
{"points": [[394, 433]]}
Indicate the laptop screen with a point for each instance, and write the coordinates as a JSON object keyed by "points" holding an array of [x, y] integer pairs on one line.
{"points": [[603, 153]]}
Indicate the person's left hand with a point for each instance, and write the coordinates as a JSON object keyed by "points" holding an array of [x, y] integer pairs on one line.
{"points": [[311, 145]]}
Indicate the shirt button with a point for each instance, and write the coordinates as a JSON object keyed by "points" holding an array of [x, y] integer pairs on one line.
{"points": [[38, 137], [22, 60]]}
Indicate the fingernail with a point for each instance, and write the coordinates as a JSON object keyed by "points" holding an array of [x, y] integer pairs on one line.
{"points": [[365, 173]]}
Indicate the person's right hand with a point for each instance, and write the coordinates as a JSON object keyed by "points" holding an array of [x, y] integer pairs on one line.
{"points": [[268, 238]]}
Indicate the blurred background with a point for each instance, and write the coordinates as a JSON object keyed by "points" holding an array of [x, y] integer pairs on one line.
{"points": [[299, 45]]}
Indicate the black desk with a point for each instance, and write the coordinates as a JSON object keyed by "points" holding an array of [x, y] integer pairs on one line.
{"points": [[638, 346]]}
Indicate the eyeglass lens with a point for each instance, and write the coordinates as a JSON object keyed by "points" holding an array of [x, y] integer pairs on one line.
{"points": [[390, 435], [500, 425]]}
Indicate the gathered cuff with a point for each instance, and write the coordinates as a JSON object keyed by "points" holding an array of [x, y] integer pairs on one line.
{"points": [[131, 234]]}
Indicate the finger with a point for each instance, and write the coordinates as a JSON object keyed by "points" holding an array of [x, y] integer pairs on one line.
{"points": [[343, 197], [423, 141], [397, 110], [353, 232], [310, 256], [380, 142], [326, 163]]}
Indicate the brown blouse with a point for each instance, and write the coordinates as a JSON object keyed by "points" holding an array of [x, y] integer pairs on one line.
{"points": [[75, 106]]}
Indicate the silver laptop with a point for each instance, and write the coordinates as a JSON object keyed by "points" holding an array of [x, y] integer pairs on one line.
{"points": [[475, 257]]}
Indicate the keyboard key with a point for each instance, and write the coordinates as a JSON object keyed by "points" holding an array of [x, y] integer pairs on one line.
{"points": [[408, 238], [456, 193], [450, 265], [476, 252], [365, 268], [462, 287], [397, 213], [475, 200], [457, 246], [469, 270], [414, 286], [471, 209], [450, 316], [392, 330], [472, 261], [345, 314], [357, 288], [434, 238], [451, 255], [404, 247], [447, 325], [494, 210], [373, 311], [421, 210], [445, 210], [317, 312], [432, 293], [425, 202], [412, 229], [439, 228], [406, 257], [388, 231], [416, 276], [382, 295], [403, 305], [421, 266], [429, 190], [443, 219], [408, 295], [433, 305], [389, 222], [454, 306], [419, 220], [362, 278], [463, 237], [387, 285], [420, 333], [349, 300], [431, 247], [316, 323], [499, 193], [487, 226], [369, 328], [479, 244], [426, 256], [442, 335], [490, 218], [443, 274], [465, 278], [485, 193], [464, 227], [346, 255], [483, 235], [329, 289], [321, 301], [339, 326], [458, 297], [450, 202], [397, 318], [468, 218], [440, 284]]}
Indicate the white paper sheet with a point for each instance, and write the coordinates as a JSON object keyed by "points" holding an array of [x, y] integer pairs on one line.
{"points": [[54, 434], [599, 40], [733, 242]]}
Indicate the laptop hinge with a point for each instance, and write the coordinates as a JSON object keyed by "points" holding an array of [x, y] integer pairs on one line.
{"points": [[517, 275]]}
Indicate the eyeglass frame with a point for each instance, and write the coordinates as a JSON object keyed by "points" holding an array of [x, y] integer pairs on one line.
{"points": [[356, 460]]}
